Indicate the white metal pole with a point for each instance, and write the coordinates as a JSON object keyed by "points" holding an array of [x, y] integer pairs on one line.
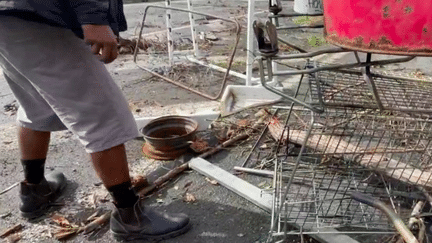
{"points": [[275, 82], [193, 29], [250, 42], [169, 33]]}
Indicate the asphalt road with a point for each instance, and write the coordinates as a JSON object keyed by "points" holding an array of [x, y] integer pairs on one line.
{"points": [[218, 215]]}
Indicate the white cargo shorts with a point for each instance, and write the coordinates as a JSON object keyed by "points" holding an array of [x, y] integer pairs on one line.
{"points": [[60, 85]]}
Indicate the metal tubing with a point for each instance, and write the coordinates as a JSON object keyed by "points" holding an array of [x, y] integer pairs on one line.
{"points": [[371, 83], [216, 67], [169, 33], [297, 162], [274, 66], [384, 76], [339, 66], [250, 42], [294, 15], [291, 45], [270, 69], [238, 29], [264, 84], [324, 232], [193, 29], [300, 27], [397, 221], [311, 54]]}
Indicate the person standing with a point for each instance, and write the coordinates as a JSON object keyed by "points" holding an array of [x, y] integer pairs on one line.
{"points": [[52, 54]]}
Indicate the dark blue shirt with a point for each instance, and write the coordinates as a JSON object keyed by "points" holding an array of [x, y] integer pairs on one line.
{"points": [[71, 14]]}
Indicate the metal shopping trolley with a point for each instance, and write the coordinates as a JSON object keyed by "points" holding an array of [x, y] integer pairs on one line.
{"points": [[353, 129]]}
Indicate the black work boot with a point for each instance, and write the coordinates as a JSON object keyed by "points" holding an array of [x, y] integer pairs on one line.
{"points": [[142, 223], [37, 198]]}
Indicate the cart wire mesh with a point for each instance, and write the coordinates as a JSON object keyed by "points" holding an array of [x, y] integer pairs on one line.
{"points": [[349, 88], [353, 147]]}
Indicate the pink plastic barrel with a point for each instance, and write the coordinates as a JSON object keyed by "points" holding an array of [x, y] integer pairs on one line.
{"points": [[401, 27]]}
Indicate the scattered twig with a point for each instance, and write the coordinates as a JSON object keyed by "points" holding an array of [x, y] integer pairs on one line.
{"points": [[11, 230], [267, 103], [93, 216], [9, 188], [300, 119], [266, 173], [5, 215], [65, 233], [98, 222], [5, 95]]}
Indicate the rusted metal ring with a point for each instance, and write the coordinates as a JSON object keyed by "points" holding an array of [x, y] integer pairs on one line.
{"points": [[168, 137]]}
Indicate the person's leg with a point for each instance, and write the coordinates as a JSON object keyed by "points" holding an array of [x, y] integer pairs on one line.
{"points": [[33, 144], [76, 86], [37, 192], [131, 220], [34, 148], [112, 168]]}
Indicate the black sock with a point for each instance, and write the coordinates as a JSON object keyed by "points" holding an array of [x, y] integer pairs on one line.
{"points": [[123, 195], [33, 170]]}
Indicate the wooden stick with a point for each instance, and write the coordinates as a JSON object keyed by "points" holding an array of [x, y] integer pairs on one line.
{"points": [[9, 188], [327, 144], [98, 222], [12, 230], [65, 233]]}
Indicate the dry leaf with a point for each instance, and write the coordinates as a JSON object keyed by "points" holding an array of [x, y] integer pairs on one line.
{"points": [[97, 197], [188, 197], [213, 182], [231, 132], [139, 182], [244, 123], [97, 223], [62, 221], [93, 216], [64, 234], [200, 146]]}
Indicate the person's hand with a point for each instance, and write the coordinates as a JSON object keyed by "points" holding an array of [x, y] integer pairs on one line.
{"points": [[103, 41]]}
